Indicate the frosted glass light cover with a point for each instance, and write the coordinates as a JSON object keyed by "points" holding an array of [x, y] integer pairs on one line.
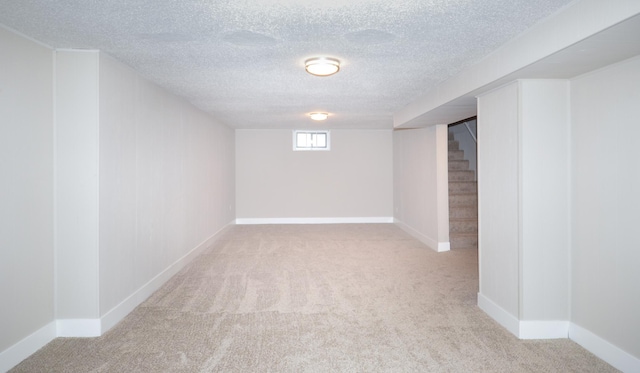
{"points": [[319, 116], [322, 66]]}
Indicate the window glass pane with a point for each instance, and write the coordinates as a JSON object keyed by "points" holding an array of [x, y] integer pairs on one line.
{"points": [[302, 140], [311, 140], [321, 140]]}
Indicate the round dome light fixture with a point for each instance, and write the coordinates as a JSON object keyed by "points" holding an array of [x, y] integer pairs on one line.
{"points": [[322, 66], [319, 116]]}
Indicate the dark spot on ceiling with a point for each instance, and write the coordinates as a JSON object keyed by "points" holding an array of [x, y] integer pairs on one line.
{"points": [[371, 36], [247, 38]]}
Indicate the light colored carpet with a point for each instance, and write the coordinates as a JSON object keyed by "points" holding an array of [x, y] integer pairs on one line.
{"points": [[315, 298]]}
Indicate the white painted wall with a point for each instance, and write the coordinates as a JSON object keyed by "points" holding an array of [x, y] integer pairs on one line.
{"points": [[26, 188], [76, 185], [605, 203], [421, 197], [166, 181], [351, 181]]}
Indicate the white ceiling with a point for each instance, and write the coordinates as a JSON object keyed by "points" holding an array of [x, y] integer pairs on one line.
{"points": [[242, 60]]}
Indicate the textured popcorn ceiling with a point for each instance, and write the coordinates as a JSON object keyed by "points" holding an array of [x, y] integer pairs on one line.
{"points": [[242, 60]]}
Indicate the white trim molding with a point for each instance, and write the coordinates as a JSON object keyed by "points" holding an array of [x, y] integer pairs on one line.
{"points": [[504, 318], [543, 329], [524, 329], [603, 349], [593, 343], [78, 328], [357, 220], [444, 246], [433, 244], [13, 355]]}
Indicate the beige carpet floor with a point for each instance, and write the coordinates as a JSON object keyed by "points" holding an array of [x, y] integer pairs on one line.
{"points": [[315, 298]]}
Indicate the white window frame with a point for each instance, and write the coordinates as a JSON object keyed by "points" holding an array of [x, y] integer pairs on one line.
{"points": [[311, 148]]}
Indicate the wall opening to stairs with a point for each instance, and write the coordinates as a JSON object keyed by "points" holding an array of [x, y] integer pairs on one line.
{"points": [[463, 188], [466, 141]]}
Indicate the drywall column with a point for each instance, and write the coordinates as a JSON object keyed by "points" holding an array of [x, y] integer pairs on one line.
{"points": [[498, 210], [523, 192], [544, 223], [76, 191]]}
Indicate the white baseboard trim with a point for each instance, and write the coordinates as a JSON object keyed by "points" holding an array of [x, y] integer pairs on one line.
{"points": [[78, 328], [362, 220], [603, 349], [543, 329], [13, 355], [527, 329], [119, 312], [444, 246], [433, 244], [504, 318]]}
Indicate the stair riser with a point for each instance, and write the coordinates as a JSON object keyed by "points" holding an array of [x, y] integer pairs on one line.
{"points": [[463, 212], [459, 165], [463, 200], [454, 145], [457, 226], [461, 176], [456, 155], [463, 242], [462, 187]]}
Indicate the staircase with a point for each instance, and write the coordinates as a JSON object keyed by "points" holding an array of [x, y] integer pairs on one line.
{"points": [[463, 200]]}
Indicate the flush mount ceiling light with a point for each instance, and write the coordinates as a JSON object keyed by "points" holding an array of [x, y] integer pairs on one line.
{"points": [[322, 66], [319, 116]]}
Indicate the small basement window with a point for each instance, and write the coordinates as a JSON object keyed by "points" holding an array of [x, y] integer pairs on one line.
{"points": [[311, 140]]}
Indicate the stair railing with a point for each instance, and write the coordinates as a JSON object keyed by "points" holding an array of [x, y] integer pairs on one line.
{"points": [[473, 136]]}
